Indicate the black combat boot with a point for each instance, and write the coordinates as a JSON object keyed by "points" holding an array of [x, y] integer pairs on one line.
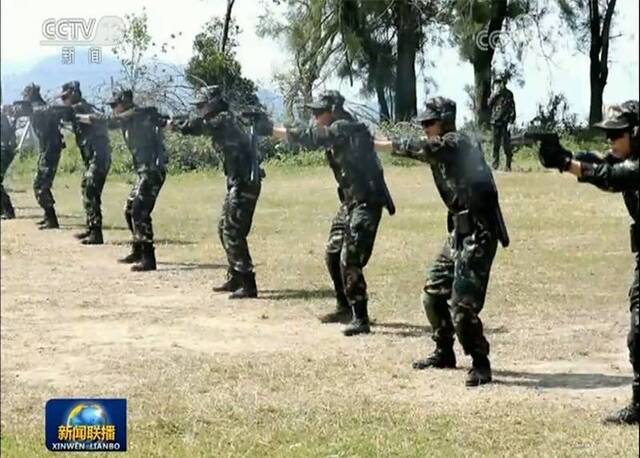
{"points": [[443, 357], [147, 260], [248, 288], [134, 256], [82, 235], [233, 282], [360, 322], [8, 213], [629, 415], [50, 219], [7, 209], [94, 237], [43, 220], [342, 313], [480, 372], [507, 167]]}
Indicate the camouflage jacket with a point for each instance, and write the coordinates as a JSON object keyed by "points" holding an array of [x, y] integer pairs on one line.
{"points": [[503, 107], [89, 137], [45, 120], [351, 155], [8, 132], [611, 174], [228, 136], [460, 172], [142, 131]]}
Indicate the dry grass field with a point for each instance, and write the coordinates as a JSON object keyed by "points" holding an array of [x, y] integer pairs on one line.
{"points": [[205, 376]]}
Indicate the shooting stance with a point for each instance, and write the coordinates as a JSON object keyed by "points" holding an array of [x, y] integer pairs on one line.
{"points": [[362, 192], [244, 181], [618, 172], [456, 285]]}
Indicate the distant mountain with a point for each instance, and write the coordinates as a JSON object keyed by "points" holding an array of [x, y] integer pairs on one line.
{"points": [[51, 73]]}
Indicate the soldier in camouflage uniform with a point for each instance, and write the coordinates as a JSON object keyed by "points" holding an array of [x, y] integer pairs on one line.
{"points": [[95, 149], [618, 171], [456, 285], [503, 113], [362, 192], [244, 178], [142, 131], [45, 121], [8, 146]]}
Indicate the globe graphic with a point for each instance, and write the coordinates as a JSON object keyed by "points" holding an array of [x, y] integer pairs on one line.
{"points": [[87, 415]]}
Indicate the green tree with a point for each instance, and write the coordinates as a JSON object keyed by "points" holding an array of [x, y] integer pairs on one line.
{"points": [[152, 81], [591, 22], [310, 32], [478, 28], [376, 42], [211, 65]]}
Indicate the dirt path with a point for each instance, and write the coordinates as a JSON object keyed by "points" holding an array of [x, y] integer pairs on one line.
{"points": [[75, 306]]}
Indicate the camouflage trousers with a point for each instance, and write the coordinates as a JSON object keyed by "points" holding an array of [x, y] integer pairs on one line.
{"points": [[140, 203], [455, 291], [633, 339], [234, 224], [5, 161], [45, 174], [93, 180], [351, 239], [501, 138]]}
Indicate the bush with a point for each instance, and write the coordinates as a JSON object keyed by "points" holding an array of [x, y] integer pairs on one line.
{"points": [[197, 153]]}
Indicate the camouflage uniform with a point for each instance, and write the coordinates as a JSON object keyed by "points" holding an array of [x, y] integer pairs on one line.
{"points": [[456, 284], [142, 132], [8, 145], [95, 149], [619, 176], [362, 192], [45, 120], [243, 182], [503, 113]]}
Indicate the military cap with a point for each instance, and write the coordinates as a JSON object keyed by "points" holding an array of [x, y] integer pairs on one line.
{"points": [[438, 108], [622, 116], [124, 96], [31, 93], [69, 88], [207, 94], [327, 101], [211, 100]]}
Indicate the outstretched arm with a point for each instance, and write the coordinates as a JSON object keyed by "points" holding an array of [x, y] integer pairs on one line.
{"points": [[190, 127], [616, 177], [410, 148]]}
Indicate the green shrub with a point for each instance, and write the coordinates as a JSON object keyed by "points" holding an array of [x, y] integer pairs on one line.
{"points": [[188, 153]]}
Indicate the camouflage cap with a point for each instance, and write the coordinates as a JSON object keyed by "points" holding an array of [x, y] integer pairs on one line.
{"points": [[31, 93], [207, 94], [618, 117], [124, 96], [327, 101], [438, 108], [70, 88]]}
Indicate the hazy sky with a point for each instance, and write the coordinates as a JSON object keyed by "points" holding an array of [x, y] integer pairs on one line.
{"points": [[22, 32]]}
